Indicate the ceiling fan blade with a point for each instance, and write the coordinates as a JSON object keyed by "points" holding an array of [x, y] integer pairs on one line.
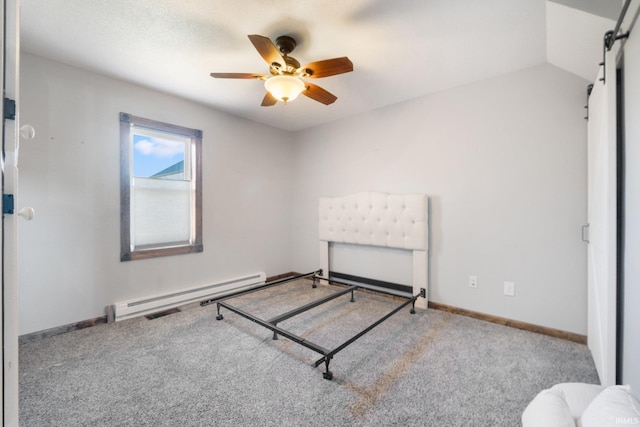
{"points": [[239, 76], [268, 100], [328, 67], [267, 49], [316, 93]]}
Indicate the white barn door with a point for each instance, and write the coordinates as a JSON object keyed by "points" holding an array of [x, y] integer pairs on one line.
{"points": [[602, 223]]}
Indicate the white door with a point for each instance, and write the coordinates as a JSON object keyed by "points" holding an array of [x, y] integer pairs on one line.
{"points": [[9, 322], [602, 224], [631, 320]]}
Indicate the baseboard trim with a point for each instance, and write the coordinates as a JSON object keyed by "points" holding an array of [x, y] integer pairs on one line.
{"points": [[58, 330], [556, 333], [282, 276]]}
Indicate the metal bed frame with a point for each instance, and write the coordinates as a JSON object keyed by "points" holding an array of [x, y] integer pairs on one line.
{"points": [[327, 354]]}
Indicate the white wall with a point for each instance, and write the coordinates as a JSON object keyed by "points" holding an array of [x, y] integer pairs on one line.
{"points": [[631, 274], [69, 255], [504, 161]]}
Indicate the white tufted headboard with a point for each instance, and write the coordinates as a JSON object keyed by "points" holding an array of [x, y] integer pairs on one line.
{"points": [[378, 219]]}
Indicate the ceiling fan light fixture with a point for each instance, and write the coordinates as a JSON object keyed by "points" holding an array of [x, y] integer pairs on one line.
{"points": [[284, 88], [285, 81]]}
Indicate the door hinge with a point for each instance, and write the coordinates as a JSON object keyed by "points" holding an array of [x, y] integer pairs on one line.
{"points": [[9, 109], [7, 204]]}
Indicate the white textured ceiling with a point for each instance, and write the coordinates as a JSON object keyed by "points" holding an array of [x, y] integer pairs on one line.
{"points": [[401, 49]]}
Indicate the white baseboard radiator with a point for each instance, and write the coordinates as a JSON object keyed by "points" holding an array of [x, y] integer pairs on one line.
{"points": [[143, 306]]}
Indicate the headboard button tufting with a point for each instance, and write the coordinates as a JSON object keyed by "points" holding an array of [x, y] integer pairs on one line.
{"points": [[391, 220]]}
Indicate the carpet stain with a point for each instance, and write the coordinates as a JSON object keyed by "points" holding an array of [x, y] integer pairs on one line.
{"points": [[370, 395]]}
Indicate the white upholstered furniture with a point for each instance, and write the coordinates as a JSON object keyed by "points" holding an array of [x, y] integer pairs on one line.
{"points": [[582, 405], [378, 219]]}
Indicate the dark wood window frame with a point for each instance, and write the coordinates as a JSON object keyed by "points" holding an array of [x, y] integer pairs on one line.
{"points": [[127, 253]]}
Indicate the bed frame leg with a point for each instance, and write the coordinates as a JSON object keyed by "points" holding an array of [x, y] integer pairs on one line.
{"points": [[219, 316], [327, 374], [275, 336], [352, 299], [315, 283], [413, 307]]}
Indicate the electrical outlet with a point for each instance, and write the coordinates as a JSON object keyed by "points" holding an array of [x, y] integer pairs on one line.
{"points": [[510, 289], [473, 281]]}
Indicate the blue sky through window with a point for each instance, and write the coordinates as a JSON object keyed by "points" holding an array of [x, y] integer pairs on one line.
{"points": [[154, 154]]}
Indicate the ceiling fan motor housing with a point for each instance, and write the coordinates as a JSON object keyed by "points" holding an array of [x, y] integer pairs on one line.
{"points": [[286, 44]]}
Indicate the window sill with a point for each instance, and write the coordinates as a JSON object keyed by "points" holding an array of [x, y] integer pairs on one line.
{"points": [[159, 252]]}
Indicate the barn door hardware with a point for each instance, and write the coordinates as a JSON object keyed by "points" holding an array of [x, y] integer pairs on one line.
{"points": [[9, 109], [589, 89], [585, 233], [7, 204], [610, 38]]}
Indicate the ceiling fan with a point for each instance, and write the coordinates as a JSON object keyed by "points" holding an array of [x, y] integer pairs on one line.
{"points": [[285, 81]]}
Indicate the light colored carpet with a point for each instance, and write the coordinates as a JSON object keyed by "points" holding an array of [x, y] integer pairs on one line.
{"points": [[188, 369]]}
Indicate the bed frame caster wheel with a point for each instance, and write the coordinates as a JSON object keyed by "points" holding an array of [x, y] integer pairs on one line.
{"points": [[413, 311], [219, 317], [327, 375]]}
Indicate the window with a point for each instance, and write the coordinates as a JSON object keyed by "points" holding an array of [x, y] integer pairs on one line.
{"points": [[160, 189]]}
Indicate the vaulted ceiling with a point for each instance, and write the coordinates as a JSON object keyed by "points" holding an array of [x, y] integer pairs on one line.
{"points": [[400, 49]]}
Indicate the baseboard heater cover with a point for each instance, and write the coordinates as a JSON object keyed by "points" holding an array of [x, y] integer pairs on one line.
{"points": [[143, 306]]}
